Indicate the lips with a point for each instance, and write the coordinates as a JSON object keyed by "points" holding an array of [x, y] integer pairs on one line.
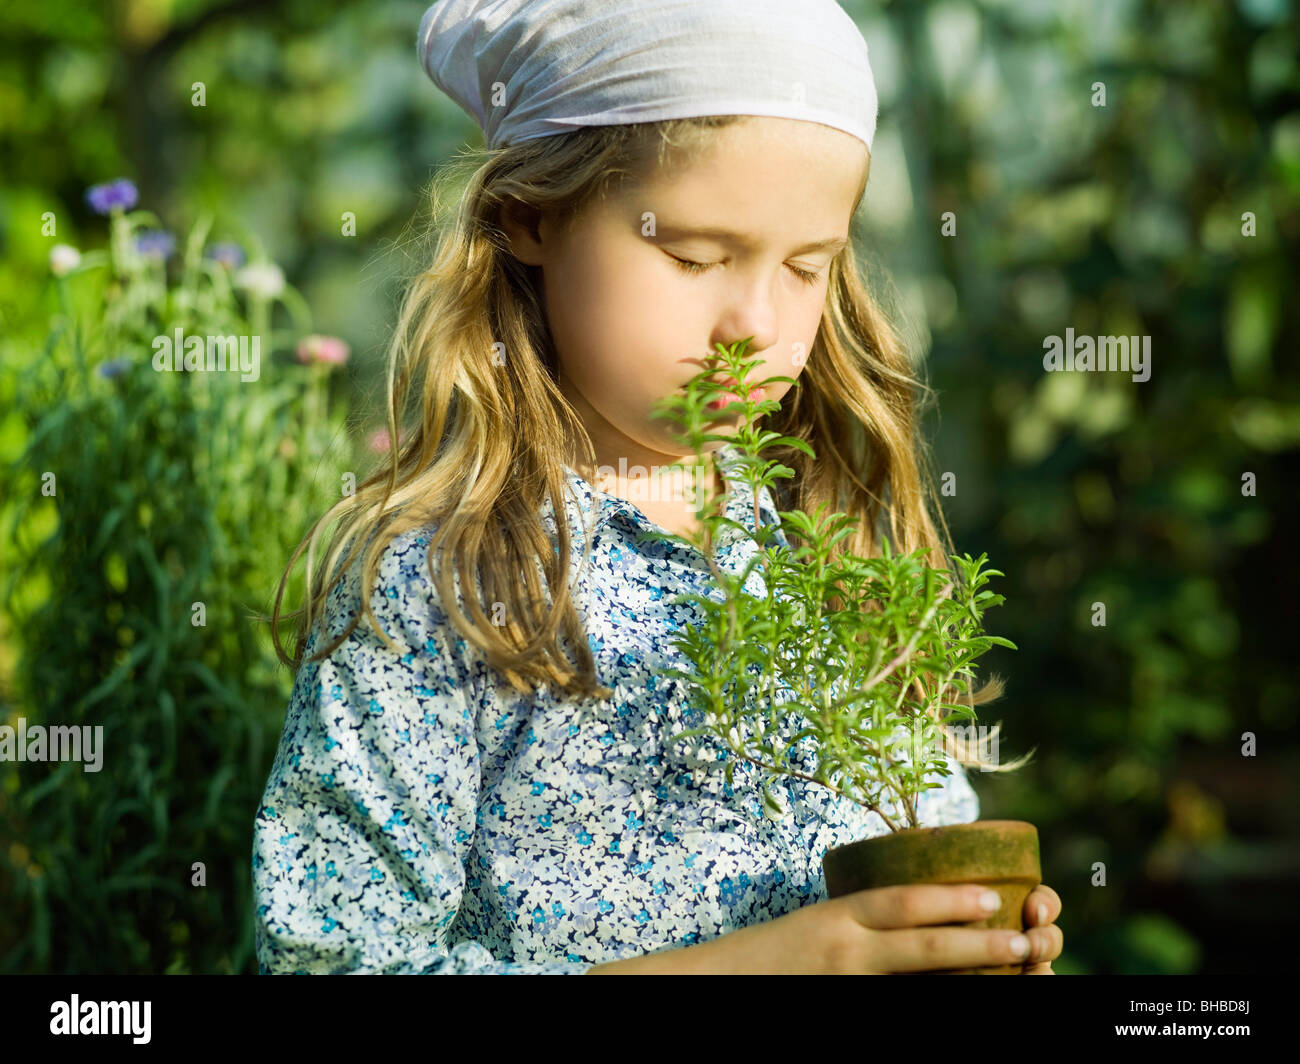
{"points": [[733, 395]]}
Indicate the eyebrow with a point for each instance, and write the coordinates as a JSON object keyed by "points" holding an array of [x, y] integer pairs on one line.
{"points": [[674, 232]]}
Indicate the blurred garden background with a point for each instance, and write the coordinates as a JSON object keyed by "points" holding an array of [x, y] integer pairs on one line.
{"points": [[1117, 167]]}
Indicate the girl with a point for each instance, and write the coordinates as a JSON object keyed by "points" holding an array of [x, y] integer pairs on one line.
{"points": [[474, 774]]}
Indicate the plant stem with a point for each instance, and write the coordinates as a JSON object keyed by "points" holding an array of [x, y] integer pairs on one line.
{"points": [[813, 779], [906, 652]]}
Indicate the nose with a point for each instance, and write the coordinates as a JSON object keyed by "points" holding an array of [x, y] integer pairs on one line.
{"points": [[761, 340], [752, 313]]}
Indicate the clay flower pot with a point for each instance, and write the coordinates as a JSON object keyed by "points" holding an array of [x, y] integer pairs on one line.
{"points": [[999, 854]]}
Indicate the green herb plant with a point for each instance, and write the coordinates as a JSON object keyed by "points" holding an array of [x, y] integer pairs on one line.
{"points": [[875, 680]]}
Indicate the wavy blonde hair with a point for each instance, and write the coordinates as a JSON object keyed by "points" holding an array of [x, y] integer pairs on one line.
{"points": [[478, 442]]}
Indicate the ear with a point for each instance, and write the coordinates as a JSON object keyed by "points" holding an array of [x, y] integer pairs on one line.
{"points": [[522, 227]]}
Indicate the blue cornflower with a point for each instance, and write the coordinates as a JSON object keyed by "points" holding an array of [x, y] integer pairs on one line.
{"points": [[229, 254], [113, 195], [114, 367], [155, 243]]}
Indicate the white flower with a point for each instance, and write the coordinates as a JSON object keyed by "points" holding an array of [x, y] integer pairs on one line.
{"points": [[264, 279], [63, 257]]}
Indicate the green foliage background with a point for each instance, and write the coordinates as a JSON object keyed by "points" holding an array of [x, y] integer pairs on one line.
{"points": [[1119, 219]]}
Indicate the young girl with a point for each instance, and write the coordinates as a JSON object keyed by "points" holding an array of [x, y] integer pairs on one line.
{"points": [[475, 774]]}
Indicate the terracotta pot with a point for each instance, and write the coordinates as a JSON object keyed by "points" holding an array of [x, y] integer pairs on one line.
{"points": [[999, 854]]}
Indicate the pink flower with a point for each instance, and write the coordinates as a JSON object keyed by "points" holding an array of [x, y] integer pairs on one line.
{"points": [[379, 442], [323, 349]]}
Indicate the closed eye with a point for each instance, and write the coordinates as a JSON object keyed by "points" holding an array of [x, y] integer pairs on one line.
{"points": [[807, 276]]}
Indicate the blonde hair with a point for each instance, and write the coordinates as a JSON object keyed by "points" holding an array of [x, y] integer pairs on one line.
{"points": [[477, 442]]}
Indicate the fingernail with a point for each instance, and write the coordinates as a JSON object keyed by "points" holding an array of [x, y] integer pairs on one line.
{"points": [[1042, 913], [1019, 945], [990, 901]]}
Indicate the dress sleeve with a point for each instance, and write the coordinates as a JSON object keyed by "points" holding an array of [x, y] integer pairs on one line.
{"points": [[954, 802], [367, 818]]}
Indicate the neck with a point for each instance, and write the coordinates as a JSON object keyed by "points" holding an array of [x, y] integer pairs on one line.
{"points": [[656, 484]]}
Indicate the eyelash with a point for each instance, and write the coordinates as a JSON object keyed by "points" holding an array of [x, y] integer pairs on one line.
{"points": [[687, 266]]}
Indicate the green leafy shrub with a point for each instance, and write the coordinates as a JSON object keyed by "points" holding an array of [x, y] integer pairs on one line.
{"points": [[870, 653], [147, 521]]}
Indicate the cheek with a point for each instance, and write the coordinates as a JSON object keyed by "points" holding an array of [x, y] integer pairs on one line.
{"points": [[606, 309], [798, 359], [792, 364]]}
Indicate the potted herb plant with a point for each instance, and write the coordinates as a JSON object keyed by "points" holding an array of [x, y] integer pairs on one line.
{"points": [[871, 656]]}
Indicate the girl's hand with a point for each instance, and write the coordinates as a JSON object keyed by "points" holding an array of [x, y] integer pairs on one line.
{"points": [[889, 929], [1042, 907], [869, 932], [879, 931]]}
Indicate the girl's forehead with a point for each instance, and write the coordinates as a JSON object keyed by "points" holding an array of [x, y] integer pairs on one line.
{"points": [[744, 180], [747, 152]]}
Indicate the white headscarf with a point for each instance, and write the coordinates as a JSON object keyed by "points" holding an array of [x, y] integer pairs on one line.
{"points": [[524, 69]]}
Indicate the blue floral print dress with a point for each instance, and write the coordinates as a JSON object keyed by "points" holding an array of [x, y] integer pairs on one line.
{"points": [[423, 818]]}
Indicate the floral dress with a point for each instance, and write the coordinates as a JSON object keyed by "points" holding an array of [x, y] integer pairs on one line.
{"points": [[421, 817]]}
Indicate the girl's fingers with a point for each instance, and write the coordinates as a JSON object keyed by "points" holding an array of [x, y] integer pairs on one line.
{"points": [[1038, 969], [1045, 944], [927, 949], [915, 905], [910, 932], [1050, 902]]}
